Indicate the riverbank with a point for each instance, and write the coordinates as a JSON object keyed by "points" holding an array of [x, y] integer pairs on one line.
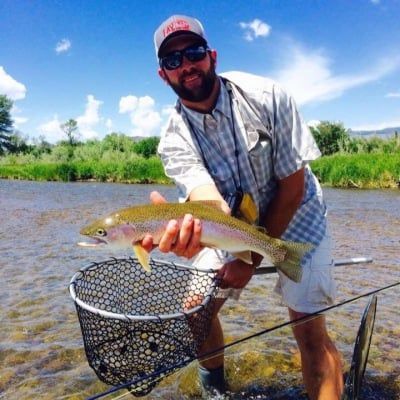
{"points": [[364, 171], [139, 170]]}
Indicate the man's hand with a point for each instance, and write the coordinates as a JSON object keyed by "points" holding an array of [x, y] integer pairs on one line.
{"points": [[183, 241], [235, 274]]}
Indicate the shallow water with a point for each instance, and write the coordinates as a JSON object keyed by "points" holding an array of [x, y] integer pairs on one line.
{"points": [[41, 349]]}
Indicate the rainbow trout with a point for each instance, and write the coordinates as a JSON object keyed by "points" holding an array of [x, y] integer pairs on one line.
{"points": [[127, 228]]}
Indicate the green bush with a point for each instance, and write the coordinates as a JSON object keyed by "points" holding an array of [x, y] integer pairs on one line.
{"points": [[147, 147], [330, 137]]}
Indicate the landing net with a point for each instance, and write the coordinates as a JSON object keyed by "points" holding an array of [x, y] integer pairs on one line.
{"points": [[136, 323]]}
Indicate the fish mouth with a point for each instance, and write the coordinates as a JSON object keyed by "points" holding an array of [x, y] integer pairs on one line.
{"points": [[96, 242]]}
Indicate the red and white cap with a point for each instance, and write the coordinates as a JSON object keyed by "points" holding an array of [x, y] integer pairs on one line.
{"points": [[176, 25]]}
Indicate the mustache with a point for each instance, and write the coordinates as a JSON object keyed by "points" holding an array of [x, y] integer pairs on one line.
{"points": [[191, 71]]}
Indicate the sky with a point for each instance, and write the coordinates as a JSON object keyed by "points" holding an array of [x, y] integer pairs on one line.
{"points": [[94, 60]]}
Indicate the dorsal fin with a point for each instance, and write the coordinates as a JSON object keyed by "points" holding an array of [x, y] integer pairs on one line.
{"points": [[210, 203], [261, 229]]}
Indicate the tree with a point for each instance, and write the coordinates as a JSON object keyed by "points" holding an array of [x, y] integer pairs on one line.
{"points": [[40, 146], [147, 147], [70, 128], [331, 137], [19, 143], [6, 124], [117, 142]]}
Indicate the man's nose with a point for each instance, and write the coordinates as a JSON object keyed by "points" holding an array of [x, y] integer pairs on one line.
{"points": [[186, 64]]}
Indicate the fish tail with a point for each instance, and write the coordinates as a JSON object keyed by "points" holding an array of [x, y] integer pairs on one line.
{"points": [[291, 264]]}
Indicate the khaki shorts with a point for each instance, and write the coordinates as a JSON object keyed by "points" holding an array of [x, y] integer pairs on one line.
{"points": [[317, 289]]}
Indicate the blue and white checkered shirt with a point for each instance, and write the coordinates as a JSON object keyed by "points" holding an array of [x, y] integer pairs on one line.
{"points": [[272, 140]]}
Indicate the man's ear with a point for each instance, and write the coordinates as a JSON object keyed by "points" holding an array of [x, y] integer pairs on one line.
{"points": [[213, 55], [161, 74]]}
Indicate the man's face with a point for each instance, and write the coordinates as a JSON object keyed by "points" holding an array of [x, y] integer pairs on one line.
{"points": [[192, 81]]}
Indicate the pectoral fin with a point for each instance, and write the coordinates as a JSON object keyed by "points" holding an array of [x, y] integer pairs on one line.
{"points": [[244, 256], [143, 256]]}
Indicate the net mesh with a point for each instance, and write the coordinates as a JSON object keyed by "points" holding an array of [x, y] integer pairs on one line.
{"points": [[135, 324]]}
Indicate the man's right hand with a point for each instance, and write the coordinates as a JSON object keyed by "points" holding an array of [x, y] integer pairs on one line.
{"points": [[183, 241]]}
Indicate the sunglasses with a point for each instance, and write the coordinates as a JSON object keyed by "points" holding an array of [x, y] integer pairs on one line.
{"points": [[174, 59]]}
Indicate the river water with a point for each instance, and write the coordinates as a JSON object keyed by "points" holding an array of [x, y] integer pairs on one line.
{"points": [[41, 349]]}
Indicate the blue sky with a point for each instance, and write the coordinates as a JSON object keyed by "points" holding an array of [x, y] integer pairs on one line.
{"points": [[94, 61]]}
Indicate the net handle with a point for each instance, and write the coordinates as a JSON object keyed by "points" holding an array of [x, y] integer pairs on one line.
{"points": [[128, 317]]}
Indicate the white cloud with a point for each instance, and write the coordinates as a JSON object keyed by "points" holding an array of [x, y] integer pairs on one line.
{"points": [[145, 119], [18, 120], [51, 130], [167, 110], [109, 124], [90, 118], [10, 87], [255, 29], [313, 123], [393, 94], [127, 104], [63, 46], [309, 78], [87, 123]]}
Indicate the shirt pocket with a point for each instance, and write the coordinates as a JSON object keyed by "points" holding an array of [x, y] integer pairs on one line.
{"points": [[223, 179], [261, 162]]}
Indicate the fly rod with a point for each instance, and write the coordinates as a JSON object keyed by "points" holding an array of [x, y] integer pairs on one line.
{"points": [[337, 263]]}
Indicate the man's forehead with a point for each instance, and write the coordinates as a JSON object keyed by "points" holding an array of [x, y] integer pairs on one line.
{"points": [[180, 42]]}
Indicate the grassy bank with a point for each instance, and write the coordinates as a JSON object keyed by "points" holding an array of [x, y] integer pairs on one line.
{"points": [[339, 170], [373, 170], [139, 170]]}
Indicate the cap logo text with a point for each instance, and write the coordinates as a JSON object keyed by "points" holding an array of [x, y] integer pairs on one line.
{"points": [[178, 25]]}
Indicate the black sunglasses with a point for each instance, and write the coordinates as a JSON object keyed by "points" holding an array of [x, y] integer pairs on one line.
{"points": [[174, 59]]}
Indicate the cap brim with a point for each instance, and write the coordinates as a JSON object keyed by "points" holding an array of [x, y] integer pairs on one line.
{"points": [[179, 33]]}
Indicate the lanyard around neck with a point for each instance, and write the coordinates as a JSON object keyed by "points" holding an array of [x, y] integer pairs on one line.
{"points": [[237, 182]]}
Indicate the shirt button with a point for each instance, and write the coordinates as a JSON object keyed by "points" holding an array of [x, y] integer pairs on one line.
{"points": [[211, 123]]}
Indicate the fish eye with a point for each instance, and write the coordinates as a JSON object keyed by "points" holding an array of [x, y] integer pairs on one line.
{"points": [[101, 232]]}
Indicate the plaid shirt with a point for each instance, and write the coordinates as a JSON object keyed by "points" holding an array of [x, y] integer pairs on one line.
{"points": [[272, 141]]}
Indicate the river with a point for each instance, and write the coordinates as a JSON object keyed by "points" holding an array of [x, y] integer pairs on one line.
{"points": [[41, 349]]}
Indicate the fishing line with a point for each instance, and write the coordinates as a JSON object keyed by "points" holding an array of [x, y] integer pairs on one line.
{"points": [[158, 374]]}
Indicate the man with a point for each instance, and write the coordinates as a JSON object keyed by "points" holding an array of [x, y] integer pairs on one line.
{"points": [[245, 145]]}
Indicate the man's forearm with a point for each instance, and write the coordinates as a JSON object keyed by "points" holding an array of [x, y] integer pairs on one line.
{"points": [[284, 205]]}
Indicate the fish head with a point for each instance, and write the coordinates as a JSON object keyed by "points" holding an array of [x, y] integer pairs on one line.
{"points": [[110, 232]]}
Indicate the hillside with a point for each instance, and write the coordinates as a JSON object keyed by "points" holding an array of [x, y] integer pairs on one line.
{"points": [[383, 133]]}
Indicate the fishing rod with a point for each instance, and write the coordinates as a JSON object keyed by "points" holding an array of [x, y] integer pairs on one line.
{"points": [[336, 263], [159, 374]]}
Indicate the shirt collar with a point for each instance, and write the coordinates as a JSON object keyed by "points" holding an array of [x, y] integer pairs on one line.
{"points": [[222, 106]]}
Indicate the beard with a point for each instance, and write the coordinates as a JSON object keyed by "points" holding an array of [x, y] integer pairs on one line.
{"points": [[200, 93]]}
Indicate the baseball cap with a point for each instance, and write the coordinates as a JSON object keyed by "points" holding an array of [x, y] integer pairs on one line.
{"points": [[176, 25]]}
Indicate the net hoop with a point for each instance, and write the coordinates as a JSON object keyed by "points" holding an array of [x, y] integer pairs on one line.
{"points": [[129, 317], [140, 327]]}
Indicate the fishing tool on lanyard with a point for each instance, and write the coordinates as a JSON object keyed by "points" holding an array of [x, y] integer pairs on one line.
{"points": [[240, 202]]}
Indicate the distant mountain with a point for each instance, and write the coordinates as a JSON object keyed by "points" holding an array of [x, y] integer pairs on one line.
{"points": [[383, 133]]}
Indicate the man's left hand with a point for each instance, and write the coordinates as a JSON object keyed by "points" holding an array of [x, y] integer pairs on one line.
{"points": [[235, 274]]}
